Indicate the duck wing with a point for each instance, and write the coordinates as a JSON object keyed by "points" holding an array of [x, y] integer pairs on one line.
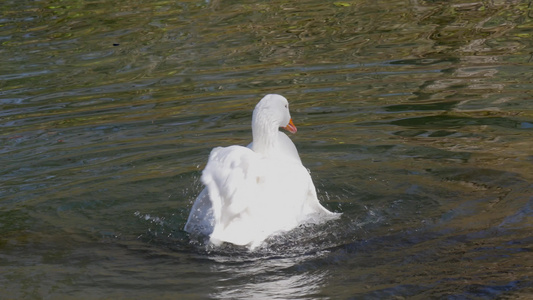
{"points": [[232, 177]]}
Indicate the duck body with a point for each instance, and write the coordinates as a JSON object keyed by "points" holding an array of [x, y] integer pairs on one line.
{"points": [[254, 192]]}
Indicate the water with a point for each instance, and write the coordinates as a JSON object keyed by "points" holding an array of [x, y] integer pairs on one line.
{"points": [[415, 119]]}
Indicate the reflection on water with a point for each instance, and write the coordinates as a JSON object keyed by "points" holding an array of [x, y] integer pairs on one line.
{"points": [[273, 278], [415, 119]]}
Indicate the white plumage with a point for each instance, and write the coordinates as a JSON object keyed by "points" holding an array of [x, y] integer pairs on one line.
{"points": [[257, 191]]}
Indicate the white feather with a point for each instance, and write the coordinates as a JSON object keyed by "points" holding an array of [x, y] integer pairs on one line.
{"points": [[257, 191]]}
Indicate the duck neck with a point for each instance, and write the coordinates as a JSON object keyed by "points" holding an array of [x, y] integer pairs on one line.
{"points": [[265, 135]]}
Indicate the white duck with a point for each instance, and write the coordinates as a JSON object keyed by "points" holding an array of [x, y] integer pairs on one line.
{"points": [[257, 191]]}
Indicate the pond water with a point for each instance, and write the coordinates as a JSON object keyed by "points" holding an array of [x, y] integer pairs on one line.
{"points": [[415, 119]]}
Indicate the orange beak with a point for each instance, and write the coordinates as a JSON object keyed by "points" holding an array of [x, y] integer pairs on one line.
{"points": [[290, 127]]}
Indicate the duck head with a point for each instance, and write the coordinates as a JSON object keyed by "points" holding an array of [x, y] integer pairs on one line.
{"points": [[273, 111]]}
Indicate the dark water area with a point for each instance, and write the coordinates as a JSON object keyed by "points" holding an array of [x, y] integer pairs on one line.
{"points": [[415, 119]]}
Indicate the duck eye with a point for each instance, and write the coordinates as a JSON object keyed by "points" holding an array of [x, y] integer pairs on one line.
{"points": [[286, 106]]}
